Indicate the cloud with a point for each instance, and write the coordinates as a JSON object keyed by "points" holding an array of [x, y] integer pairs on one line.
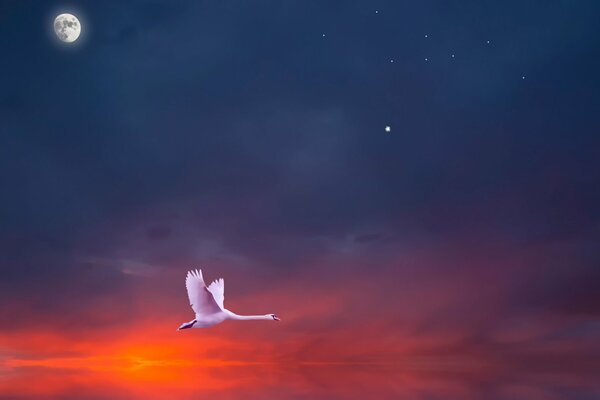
{"points": [[128, 267]]}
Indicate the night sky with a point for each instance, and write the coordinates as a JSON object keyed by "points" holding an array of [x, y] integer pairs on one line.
{"points": [[248, 138]]}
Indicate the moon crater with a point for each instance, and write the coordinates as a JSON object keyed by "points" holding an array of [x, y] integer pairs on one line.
{"points": [[67, 28]]}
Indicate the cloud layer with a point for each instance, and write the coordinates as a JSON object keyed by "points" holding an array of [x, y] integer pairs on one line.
{"points": [[240, 140]]}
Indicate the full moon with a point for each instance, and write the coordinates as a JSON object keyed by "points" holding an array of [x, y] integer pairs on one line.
{"points": [[67, 27]]}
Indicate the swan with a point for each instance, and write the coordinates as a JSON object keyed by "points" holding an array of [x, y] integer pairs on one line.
{"points": [[207, 303]]}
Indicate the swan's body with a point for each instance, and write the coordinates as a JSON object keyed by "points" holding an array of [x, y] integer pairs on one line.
{"points": [[207, 303]]}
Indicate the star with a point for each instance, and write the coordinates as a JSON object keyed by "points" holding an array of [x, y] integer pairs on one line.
{"points": [[392, 60], [488, 42], [523, 77], [376, 12], [452, 55], [323, 35], [388, 128], [426, 59], [426, 36]]}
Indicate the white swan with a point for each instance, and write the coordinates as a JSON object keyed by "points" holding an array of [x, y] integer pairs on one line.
{"points": [[207, 303]]}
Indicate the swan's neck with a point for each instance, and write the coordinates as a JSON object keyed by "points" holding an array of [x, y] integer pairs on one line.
{"points": [[248, 317]]}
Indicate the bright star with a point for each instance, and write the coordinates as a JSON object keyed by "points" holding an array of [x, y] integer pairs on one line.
{"points": [[388, 128]]}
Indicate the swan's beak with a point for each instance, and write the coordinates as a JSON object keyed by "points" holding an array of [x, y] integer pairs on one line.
{"points": [[276, 318]]}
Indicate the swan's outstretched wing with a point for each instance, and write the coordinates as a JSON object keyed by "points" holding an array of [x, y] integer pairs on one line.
{"points": [[201, 300], [217, 288]]}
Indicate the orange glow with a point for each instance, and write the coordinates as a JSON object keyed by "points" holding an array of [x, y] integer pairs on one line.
{"points": [[319, 350]]}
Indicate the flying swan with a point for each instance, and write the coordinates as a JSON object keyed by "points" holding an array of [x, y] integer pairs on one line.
{"points": [[207, 303]]}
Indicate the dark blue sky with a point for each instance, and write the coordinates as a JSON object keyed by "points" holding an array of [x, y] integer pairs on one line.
{"points": [[233, 135]]}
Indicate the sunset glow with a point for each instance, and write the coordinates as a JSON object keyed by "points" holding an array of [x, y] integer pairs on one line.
{"points": [[381, 205]]}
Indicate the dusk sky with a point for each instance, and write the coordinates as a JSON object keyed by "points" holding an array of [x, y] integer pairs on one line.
{"points": [[454, 255]]}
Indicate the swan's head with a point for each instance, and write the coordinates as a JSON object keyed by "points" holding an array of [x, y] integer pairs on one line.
{"points": [[274, 317]]}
